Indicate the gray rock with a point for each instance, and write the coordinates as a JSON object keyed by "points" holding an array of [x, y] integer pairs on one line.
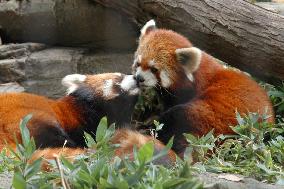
{"points": [[45, 69], [213, 181], [67, 23], [6, 180], [11, 87], [105, 62], [13, 60], [12, 70], [19, 50], [40, 70]]}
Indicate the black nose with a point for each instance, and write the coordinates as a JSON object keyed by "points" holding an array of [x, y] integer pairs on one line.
{"points": [[139, 79]]}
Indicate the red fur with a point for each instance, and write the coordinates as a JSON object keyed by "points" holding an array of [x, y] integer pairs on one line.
{"points": [[54, 121], [126, 139], [219, 92]]}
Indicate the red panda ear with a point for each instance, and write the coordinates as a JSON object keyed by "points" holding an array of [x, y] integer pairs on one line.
{"points": [[148, 27], [189, 58], [73, 81]]}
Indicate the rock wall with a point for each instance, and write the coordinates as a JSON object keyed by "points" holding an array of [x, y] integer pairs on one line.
{"points": [[64, 37], [39, 68], [66, 23]]}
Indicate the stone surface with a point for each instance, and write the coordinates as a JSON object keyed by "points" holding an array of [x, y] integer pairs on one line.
{"points": [[105, 62], [67, 23], [40, 70], [11, 87], [13, 58], [6, 180], [213, 181], [19, 50], [45, 69], [12, 70]]}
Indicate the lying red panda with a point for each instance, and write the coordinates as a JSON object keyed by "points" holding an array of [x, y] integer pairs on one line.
{"points": [[125, 138], [199, 94], [90, 97]]}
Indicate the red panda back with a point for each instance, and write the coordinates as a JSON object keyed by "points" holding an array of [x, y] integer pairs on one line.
{"points": [[15, 106]]}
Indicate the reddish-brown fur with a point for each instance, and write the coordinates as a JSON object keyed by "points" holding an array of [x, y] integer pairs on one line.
{"points": [[15, 106], [54, 121], [126, 139], [214, 96]]}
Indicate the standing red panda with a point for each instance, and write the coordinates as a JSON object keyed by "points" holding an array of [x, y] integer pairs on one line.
{"points": [[90, 97], [199, 94]]}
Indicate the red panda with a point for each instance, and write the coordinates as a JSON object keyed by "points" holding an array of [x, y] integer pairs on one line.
{"points": [[125, 138], [90, 97], [53, 122], [199, 94]]}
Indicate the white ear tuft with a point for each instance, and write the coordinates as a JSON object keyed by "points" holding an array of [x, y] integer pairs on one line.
{"points": [[72, 81], [190, 58], [149, 26]]}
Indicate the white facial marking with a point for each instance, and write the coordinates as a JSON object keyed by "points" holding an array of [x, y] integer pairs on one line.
{"points": [[190, 76], [129, 84], [72, 82], [151, 63], [107, 89], [118, 74], [165, 79], [139, 58], [150, 23], [149, 77]]}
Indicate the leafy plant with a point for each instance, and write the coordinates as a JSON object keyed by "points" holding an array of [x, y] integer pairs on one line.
{"points": [[276, 94], [100, 169], [257, 150]]}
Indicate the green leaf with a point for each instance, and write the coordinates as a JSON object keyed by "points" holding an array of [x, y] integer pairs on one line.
{"points": [[101, 130], [146, 152], [67, 163], [164, 151], [90, 142], [33, 169], [19, 181], [239, 118], [24, 130]]}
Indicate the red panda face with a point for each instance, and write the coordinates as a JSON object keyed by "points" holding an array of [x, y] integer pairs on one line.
{"points": [[106, 86], [110, 94], [164, 58]]}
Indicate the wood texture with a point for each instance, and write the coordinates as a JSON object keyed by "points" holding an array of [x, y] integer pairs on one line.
{"points": [[237, 32]]}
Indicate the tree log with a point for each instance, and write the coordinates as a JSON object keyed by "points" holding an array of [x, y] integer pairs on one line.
{"points": [[235, 31]]}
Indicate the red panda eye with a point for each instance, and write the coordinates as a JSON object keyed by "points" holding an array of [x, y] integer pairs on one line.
{"points": [[138, 64], [154, 70]]}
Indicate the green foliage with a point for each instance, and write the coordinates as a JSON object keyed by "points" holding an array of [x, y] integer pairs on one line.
{"points": [[257, 150], [148, 106], [276, 94], [100, 169]]}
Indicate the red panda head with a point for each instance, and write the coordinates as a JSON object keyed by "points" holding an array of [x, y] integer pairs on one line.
{"points": [[164, 58], [106, 86], [109, 94]]}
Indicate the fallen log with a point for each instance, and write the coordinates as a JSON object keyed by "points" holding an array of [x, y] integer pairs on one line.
{"points": [[235, 31]]}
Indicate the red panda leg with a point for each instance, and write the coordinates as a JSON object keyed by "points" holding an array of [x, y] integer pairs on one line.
{"points": [[49, 134], [197, 118], [175, 124]]}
